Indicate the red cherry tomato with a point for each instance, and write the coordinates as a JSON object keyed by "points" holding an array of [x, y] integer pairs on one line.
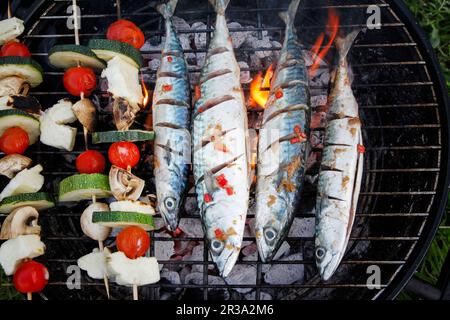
{"points": [[124, 154], [30, 276], [14, 140], [90, 161], [16, 49], [79, 80], [133, 241], [126, 31]]}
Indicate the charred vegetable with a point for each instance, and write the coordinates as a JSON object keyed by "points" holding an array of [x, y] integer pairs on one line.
{"points": [[13, 164], [124, 184], [86, 113]]}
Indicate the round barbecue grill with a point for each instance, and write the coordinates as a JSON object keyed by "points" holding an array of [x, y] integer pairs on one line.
{"points": [[404, 109]]}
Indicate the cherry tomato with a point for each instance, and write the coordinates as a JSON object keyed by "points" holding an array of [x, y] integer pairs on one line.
{"points": [[133, 241], [14, 140], [90, 161], [79, 80], [124, 154], [126, 31], [30, 276], [16, 49]]}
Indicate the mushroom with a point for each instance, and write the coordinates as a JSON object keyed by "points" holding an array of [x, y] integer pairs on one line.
{"points": [[124, 113], [86, 113], [125, 185], [26, 103], [11, 86], [21, 221], [12, 164], [94, 231]]}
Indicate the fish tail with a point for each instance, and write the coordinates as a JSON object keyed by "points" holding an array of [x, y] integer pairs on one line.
{"points": [[289, 16], [167, 9], [343, 44], [220, 5]]}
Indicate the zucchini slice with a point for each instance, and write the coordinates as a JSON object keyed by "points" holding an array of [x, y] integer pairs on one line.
{"points": [[66, 56], [132, 206], [23, 67], [107, 49], [39, 201], [83, 187], [18, 118], [118, 219], [117, 136]]}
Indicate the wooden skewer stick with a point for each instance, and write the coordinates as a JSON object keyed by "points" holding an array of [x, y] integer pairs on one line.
{"points": [[135, 292], [29, 296], [9, 9], [135, 287], [75, 21], [85, 130], [101, 247], [119, 13]]}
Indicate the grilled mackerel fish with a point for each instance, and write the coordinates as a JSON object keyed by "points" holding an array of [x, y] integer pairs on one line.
{"points": [[171, 121], [220, 148], [341, 169], [283, 146]]}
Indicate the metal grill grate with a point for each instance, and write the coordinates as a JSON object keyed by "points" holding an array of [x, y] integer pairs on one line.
{"points": [[405, 166]]}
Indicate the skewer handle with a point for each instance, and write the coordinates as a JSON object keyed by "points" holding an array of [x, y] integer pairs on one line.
{"points": [[29, 296]]}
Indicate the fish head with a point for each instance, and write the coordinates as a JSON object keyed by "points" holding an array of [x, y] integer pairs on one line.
{"points": [[326, 261], [224, 233], [272, 223], [169, 207]]}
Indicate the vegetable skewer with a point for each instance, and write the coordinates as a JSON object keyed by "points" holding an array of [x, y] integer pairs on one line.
{"points": [[20, 128]]}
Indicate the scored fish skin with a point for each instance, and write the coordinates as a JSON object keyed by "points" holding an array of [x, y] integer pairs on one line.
{"points": [[283, 144], [171, 123], [341, 169], [220, 148]]}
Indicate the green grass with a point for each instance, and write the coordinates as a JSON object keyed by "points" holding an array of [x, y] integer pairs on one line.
{"points": [[7, 293], [434, 18]]}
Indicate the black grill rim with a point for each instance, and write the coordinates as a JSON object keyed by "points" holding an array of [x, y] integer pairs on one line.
{"points": [[429, 55]]}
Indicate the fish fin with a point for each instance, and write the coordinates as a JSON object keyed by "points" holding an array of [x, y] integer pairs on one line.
{"points": [[289, 16], [210, 182], [343, 44], [167, 9], [220, 5]]}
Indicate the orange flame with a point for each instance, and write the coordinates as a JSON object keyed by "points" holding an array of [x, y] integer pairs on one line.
{"points": [[146, 94], [259, 88], [332, 29]]}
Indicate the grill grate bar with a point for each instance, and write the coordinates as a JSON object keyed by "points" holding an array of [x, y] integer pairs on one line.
{"points": [[293, 239], [219, 286], [284, 262], [141, 173], [298, 215], [371, 85], [208, 30], [197, 70]]}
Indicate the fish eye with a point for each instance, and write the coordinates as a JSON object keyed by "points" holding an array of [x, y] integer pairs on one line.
{"points": [[170, 203], [270, 234], [320, 253], [217, 246]]}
